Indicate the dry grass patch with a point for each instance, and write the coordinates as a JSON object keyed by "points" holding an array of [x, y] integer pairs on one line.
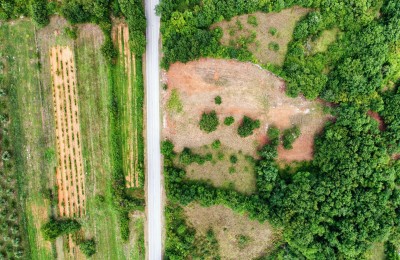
{"points": [[221, 172], [229, 227], [273, 29], [322, 43], [245, 89], [69, 171]]}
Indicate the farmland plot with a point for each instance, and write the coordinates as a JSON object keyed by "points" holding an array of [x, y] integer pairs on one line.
{"points": [[69, 172], [130, 92]]}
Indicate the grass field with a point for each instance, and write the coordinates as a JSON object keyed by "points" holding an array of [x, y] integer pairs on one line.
{"points": [[30, 132]]}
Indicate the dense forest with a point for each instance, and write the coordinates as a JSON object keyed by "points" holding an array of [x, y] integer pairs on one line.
{"points": [[347, 198]]}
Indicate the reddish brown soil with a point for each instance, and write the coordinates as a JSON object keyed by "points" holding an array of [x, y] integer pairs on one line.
{"points": [[69, 171], [378, 119], [245, 89]]}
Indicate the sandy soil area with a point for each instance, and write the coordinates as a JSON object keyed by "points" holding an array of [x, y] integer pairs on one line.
{"points": [[245, 89], [69, 172]]}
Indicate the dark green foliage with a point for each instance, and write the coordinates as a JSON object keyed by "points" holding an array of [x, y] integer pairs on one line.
{"points": [[247, 126], [58, 227], [216, 144], [273, 46], [167, 148], [88, 247], [391, 252], [218, 100], [108, 50], [209, 122], [273, 135], [39, 12], [133, 10], [289, 136], [391, 118], [75, 12], [229, 120], [233, 159], [188, 157]]}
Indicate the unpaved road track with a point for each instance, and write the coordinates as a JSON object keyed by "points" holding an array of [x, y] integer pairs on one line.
{"points": [[153, 132]]}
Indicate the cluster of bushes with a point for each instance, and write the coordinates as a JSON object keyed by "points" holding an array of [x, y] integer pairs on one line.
{"points": [[187, 157], [58, 227], [247, 126], [182, 242], [289, 136]]}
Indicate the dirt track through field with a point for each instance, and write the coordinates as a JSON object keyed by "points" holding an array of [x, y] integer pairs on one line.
{"points": [[120, 36], [69, 172]]}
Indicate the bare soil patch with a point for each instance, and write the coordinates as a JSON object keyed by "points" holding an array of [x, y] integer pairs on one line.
{"points": [[228, 226], [284, 22], [246, 89], [69, 171]]}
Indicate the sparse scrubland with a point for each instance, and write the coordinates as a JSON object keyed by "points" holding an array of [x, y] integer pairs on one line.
{"points": [[343, 203]]}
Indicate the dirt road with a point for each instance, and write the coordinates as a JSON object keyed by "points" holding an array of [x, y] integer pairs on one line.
{"points": [[153, 133]]}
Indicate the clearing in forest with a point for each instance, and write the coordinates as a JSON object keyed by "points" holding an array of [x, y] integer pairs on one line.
{"points": [[69, 171], [272, 31], [238, 236], [128, 91], [245, 89]]}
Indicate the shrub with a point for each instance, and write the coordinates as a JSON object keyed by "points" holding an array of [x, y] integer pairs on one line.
{"points": [[174, 103], [273, 135], [272, 31], [39, 12], [251, 19], [289, 136], [88, 247], [216, 144], [218, 100], [229, 120], [273, 46], [247, 126], [209, 122], [57, 227], [167, 148], [71, 32], [233, 159]]}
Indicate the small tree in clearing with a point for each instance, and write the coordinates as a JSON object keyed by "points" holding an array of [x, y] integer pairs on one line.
{"points": [[209, 122]]}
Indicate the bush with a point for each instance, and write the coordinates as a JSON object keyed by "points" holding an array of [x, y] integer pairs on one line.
{"points": [[272, 31], [39, 12], [88, 247], [216, 144], [57, 227], [229, 120], [251, 19], [209, 122], [273, 135], [247, 126], [218, 100], [289, 136], [71, 32], [233, 159], [273, 46], [167, 148]]}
